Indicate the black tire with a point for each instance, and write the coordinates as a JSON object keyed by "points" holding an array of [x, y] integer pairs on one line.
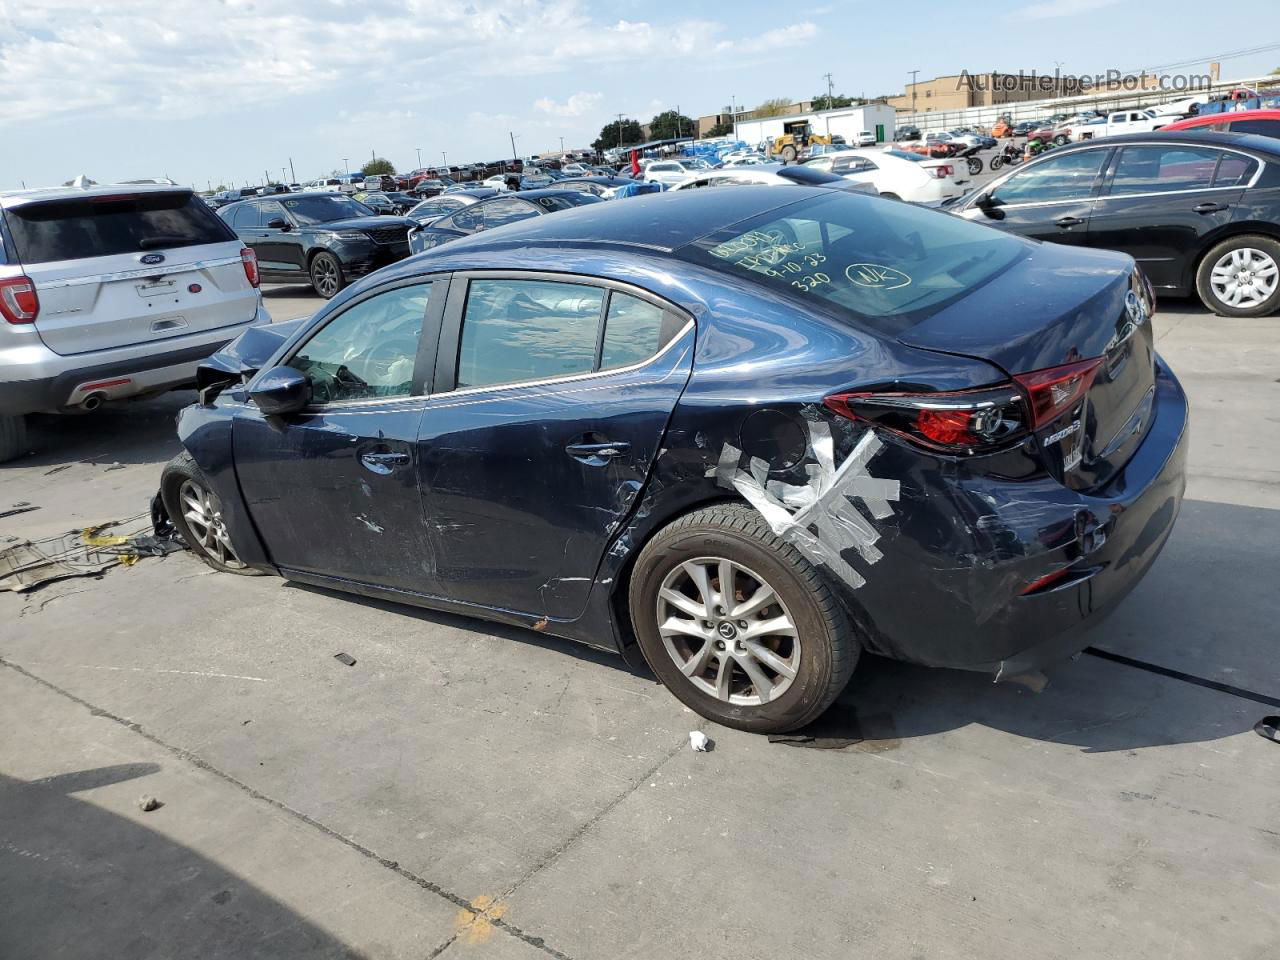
{"points": [[975, 165], [996, 163], [13, 437], [1255, 243], [181, 470], [1061, 139], [326, 275], [890, 196], [827, 650]]}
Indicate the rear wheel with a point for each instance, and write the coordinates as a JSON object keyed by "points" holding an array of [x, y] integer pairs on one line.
{"points": [[13, 437], [326, 275], [196, 513], [738, 624], [1240, 277], [975, 165], [788, 154]]}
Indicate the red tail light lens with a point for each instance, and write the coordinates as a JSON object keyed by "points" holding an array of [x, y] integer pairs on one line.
{"points": [[1056, 390], [944, 170], [963, 422], [250, 261], [18, 300]]}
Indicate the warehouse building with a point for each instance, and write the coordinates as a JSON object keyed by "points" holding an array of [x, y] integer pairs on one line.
{"points": [[847, 122]]}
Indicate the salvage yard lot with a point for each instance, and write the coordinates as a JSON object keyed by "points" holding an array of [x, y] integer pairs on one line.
{"points": [[467, 789]]}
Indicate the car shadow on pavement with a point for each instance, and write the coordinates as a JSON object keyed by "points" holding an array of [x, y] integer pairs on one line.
{"points": [[78, 881], [123, 431]]}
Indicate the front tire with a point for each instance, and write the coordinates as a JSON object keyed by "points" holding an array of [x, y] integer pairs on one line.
{"points": [[788, 154], [326, 275], [738, 624], [13, 437], [196, 513], [975, 165], [1240, 277]]}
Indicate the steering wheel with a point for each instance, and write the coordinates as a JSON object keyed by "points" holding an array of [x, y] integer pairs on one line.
{"points": [[377, 361]]}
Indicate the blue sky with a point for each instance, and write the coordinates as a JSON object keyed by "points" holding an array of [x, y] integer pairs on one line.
{"points": [[218, 90]]}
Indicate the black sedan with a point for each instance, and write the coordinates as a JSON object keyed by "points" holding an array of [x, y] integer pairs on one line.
{"points": [[742, 434], [325, 239], [497, 212], [1200, 212]]}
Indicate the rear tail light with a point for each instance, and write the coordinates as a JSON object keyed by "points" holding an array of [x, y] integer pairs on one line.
{"points": [[250, 261], [18, 300], [943, 170], [974, 421], [1052, 392]]}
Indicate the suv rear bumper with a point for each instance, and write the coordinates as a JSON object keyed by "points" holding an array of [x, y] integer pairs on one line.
{"points": [[34, 379]]}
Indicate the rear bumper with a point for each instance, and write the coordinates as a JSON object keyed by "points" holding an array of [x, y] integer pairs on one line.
{"points": [[34, 379], [991, 539]]}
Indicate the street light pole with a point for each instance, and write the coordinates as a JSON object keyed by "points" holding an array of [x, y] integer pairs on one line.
{"points": [[562, 146], [345, 166], [293, 177], [914, 74], [419, 149], [733, 114], [445, 157], [830, 89]]}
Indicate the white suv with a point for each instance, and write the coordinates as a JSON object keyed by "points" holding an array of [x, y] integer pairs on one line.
{"points": [[112, 291]]}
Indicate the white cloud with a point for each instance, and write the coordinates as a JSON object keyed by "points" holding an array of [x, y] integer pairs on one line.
{"points": [[577, 105], [1051, 9]]}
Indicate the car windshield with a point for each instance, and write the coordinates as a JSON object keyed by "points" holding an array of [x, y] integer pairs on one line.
{"points": [[325, 208], [887, 265]]}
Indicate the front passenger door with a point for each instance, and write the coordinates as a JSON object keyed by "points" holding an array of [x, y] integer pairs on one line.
{"points": [[562, 393], [333, 490]]}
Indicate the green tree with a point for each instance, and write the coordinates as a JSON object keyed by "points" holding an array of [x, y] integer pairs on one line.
{"points": [[616, 134], [720, 130], [1276, 72], [378, 165], [773, 108], [671, 124], [824, 102]]}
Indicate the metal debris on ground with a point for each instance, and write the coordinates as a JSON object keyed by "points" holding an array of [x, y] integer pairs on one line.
{"points": [[17, 508], [148, 803], [700, 742], [345, 658], [1268, 728], [29, 564]]}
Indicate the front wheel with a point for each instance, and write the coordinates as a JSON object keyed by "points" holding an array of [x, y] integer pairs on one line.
{"points": [[196, 513], [1061, 139], [975, 165], [996, 163], [1240, 277], [326, 275], [788, 154], [738, 624]]}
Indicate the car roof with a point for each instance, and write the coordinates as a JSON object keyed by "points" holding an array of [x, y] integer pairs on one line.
{"points": [[661, 221], [13, 198], [1208, 119]]}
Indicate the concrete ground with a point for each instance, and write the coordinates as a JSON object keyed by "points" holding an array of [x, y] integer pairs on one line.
{"points": [[474, 790]]}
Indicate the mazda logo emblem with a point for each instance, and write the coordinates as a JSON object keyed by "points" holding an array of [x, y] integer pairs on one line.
{"points": [[727, 631], [1135, 308]]}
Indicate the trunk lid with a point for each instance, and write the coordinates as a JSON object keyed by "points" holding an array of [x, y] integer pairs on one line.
{"points": [[125, 269], [1064, 305]]}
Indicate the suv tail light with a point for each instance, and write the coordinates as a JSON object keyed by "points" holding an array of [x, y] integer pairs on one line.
{"points": [[18, 300], [250, 261], [974, 421]]}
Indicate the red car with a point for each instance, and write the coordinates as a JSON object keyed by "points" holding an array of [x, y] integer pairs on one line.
{"points": [[1264, 122]]}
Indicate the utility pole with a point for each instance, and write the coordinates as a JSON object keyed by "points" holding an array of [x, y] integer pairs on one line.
{"points": [[290, 180], [830, 89], [733, 114], [677, 121], [619, 133], [346, 168], [914, 74], [445, 157], [562, 146], [513, 145], [266, 178], [293, 177], [419, 149]]}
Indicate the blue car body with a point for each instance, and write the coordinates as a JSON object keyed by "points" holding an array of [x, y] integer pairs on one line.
{"points": [[992, 561]]}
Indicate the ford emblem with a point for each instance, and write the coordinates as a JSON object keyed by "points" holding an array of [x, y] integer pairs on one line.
{"points": [[152, 258]]}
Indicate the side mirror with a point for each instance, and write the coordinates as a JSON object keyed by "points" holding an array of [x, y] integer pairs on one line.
{"points": [[987, 205], [278, 223], [281, 391]]}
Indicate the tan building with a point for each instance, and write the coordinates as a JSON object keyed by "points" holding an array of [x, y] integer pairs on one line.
{"points": [[713, 119], [958, 91]]}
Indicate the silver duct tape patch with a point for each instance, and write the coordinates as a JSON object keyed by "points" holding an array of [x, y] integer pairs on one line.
{"points": [[819, 517]]}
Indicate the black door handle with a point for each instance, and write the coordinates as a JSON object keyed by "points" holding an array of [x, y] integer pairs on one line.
{"points": [[1210, 207], [1065, 222], [383, 463], [597, 454]]}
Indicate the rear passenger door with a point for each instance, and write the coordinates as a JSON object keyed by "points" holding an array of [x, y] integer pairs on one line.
{"points": [[552, 397], [1160, 201]]}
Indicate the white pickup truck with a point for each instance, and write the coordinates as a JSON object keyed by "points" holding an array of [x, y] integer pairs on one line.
{"points": [[1122, 121]]}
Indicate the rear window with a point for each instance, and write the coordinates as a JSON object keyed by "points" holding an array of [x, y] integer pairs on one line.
{"points": [[888, 264], [81, 227], [566, 200]]}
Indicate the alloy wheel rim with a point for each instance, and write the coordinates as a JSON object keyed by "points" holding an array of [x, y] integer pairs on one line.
{"points": [[1246, 277], [203, 514], [326, 276], [728, 631]]}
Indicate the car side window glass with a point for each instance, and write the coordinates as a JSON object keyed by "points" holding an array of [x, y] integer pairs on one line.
{"points": [[1267, 128], [634, 330], [1162, 170], [1234, 170], [499, 213], [368, 351], [1118, 118], [466, 220], [242, 216], [272, 211], [514, 330], [1066, 177]]}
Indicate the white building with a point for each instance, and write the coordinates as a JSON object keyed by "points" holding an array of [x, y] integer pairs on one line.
{"points": [[848, 122]]}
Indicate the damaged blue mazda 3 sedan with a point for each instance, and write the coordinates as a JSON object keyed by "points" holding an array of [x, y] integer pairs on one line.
{"points": [[742, 435]]}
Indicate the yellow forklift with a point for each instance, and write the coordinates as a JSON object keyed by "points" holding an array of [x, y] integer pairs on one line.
{"points": [[796, 136]]}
